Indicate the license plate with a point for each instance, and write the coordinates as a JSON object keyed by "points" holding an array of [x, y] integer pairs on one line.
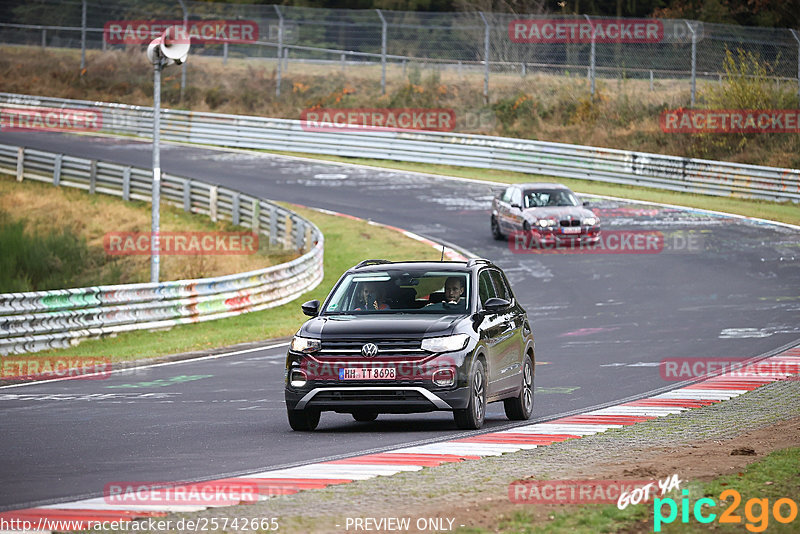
{"points": [[572, 230], [368, 373]]}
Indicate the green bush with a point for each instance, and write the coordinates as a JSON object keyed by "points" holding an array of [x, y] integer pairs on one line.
{"points": [[34, 262]]}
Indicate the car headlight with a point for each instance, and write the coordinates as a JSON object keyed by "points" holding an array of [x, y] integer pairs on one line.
{"points": [[445, 343], [304, 344], [590, 221], [544, 223]]}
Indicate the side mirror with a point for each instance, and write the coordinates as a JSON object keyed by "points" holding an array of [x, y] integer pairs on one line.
{"points": [[585, 203], [494, 305], [311, 308]]}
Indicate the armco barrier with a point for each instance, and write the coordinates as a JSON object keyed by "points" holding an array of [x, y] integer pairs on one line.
{"points": [[535, 157], [40, 320]]}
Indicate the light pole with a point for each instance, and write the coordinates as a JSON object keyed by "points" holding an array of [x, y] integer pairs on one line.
{"points": [[172, 47]]}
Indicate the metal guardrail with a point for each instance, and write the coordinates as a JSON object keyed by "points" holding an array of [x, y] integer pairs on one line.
{"points": [[40, 320], [536, 157]]}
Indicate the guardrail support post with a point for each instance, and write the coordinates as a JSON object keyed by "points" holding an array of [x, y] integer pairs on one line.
{"points": [[287, 231], [280, 50], [126, 184], [796, 38], [485, 58], [301, 233], [694, 60], [273, 227], [592, 56], [57, 169], [235, 209], [255, 223], [187, 196], [83, 35], [212, 202], [20, 163], [383, 52], [44, 38], [225, 53], [651, 80], [92, 176]]}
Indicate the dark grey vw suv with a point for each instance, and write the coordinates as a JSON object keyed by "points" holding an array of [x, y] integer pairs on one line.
{"points": [[412, 337]]}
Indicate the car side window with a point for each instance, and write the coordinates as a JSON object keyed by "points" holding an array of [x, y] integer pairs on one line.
{"points": [[507, 194], [501, 286], [485, 287]]}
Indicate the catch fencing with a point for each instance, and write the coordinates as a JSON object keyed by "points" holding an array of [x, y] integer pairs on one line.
{"points": [[41, 320], [486, 44], [535, 157]]}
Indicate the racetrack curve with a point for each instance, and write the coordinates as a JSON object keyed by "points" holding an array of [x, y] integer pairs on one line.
{"points": [[602, 323]]}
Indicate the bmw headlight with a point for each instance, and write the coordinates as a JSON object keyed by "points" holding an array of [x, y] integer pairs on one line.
{"points": [[445, 343], [544, 223], [590, 221], [304, 344]]}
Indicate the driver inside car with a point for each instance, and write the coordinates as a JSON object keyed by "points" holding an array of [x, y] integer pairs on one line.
{"points": [[453, 295], [370, 297]]}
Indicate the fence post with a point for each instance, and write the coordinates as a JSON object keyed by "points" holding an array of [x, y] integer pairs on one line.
{"points": [[286, 59], [383, 52], [342, 58], [592, 56], [280, 50], [225, 53], [20, 163], [187, 195], [796, 38], [255, 222], [83, 35], [44, 38], [694, 60], [651, 80], [57, 170], [485, 58], [273, 226]]}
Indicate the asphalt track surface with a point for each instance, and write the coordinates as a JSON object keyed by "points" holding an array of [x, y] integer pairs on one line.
{"points": [[602, 323]]}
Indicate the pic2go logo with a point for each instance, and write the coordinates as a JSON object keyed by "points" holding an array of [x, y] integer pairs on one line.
{"points": [[756, 511]]}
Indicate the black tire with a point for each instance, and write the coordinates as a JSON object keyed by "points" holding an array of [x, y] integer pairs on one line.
{"points": [[365, 416], [303, 420], [472, 417], [496, 233], [520, 408]]}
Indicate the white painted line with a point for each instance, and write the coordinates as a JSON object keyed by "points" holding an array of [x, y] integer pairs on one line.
{"points": [[149, 366], [639, 410], [555, 428], [466, 449], [698, 394], [100, 504]]}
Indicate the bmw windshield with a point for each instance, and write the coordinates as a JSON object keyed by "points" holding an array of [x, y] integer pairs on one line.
{"points": [[396, 291]]}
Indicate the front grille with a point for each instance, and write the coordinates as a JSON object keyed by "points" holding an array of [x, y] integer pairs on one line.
{"points": [[571, 222], [391, 348]]}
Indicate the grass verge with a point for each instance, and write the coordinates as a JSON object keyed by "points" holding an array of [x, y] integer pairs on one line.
{"points": [[785, 212], [766, 481], [346, 242]]}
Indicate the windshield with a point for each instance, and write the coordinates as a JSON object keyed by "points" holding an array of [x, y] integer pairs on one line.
{"points": [[401, 291], [550, 197]]}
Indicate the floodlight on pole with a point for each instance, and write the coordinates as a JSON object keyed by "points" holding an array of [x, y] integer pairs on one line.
{"points": [[171, 47]]}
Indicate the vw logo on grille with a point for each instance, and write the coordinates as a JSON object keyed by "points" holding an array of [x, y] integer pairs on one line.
{"points": [[369, 350]]}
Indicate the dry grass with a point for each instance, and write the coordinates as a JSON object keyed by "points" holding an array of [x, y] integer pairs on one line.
{"points": [[46, 208], [624, 113]]}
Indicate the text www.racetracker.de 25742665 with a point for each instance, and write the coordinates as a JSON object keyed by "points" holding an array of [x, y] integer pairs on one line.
{"points": [[151, 524]]}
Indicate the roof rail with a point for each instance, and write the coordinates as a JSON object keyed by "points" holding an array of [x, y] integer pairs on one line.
{"points": [[475, 261], [370, 262]]}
